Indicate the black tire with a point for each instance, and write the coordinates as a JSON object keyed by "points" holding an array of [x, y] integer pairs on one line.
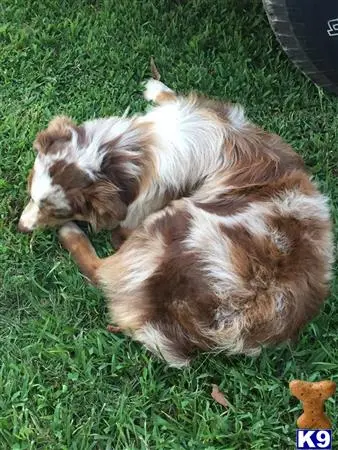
{"points": [[308, 32]]}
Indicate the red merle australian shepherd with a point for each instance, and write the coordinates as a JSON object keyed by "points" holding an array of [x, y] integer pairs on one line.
{"points": [[227, 243]]}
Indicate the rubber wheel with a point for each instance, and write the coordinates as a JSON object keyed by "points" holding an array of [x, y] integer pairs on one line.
{"points": [[308, 33]]}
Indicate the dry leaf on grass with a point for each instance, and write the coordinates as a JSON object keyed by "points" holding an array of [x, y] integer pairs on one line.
{"points": [[154, 70], [218, 396], [113, 329]]}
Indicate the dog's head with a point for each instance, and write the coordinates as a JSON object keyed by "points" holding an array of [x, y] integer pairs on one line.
{"points": [[66, 182]]}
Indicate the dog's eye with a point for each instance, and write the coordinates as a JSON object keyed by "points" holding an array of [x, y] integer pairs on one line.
{"points": [[61, 213]]}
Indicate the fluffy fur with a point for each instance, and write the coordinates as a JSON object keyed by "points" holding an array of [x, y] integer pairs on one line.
{"points": [[229, 242]]}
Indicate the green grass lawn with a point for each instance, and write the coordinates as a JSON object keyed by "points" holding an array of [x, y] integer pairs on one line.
{"points": [[65, 383]]}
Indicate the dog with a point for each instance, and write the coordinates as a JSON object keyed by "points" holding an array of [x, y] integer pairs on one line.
{"points": [[226, 243]]}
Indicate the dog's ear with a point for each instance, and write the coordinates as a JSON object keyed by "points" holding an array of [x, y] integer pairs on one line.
{"points": [[106, 203], [59, 129], [100, 204], [78, 202]]}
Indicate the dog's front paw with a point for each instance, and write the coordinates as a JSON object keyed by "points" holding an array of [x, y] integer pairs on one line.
{"points": [[69, 235], [153, 88]]}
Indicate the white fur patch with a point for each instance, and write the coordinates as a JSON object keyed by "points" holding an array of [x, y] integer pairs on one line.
{"points": [[153, 88], [187, 148], [303, 206], [138, 265], [280, 240], [29, 216], [100, 132], [280, 302], [42, 186], [142, 264], [42, 182], [237, 117], [253, 219], [212, 245], [155, 341], [68, 229], [188, 145]]}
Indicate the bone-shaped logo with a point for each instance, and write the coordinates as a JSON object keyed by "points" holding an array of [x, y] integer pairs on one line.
{"points": [[313, 396]]}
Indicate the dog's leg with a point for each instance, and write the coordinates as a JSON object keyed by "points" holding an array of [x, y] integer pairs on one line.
{"points": [[157, 92], [77, 243]]}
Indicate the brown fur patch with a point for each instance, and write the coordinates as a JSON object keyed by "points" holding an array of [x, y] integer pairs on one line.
{"points": [[238, 198], [114, 167], [117, 159], [213, 109], [165, 97], [149, 171], [81, 135], [98, 201], [68, 175], [99, 204], [106, 202], [119, 235], [296, 275], [81, 250], [258, 157], [172, 226], [186, 299]]}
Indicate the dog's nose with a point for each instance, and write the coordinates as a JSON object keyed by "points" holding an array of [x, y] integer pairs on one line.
{"points": [[22, 228], [29, 218]]}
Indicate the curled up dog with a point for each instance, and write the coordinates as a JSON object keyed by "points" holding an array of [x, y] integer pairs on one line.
{"points": [[227, 241]]}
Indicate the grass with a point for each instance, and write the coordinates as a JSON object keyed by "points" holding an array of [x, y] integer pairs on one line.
{"points": [[65, 383]]}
